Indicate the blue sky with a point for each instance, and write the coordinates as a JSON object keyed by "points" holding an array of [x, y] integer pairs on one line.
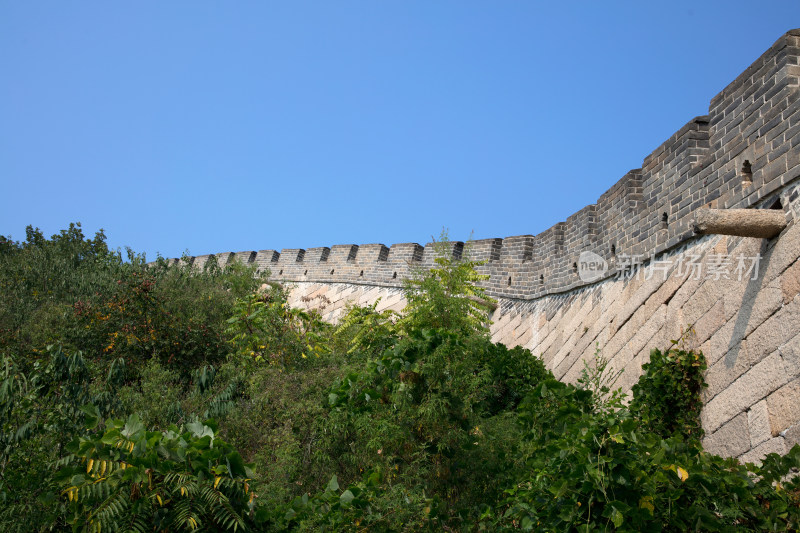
{"points": [[210, 126]]}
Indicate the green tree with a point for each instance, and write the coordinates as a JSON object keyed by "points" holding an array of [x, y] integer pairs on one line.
{"points": [[40, 412], [265, 329], [448, 296]]}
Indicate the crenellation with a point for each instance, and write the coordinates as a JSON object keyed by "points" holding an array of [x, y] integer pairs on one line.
{"points": [[224, 258], [245, 257], [743, 154], [581, 228], [372, 253], [614, 209], [503, 272], [290, 265], [407, 252], [451, 249], [343, 253], [558, 237], [316, 255], [201, 261], [485, 250], [265, 259]]}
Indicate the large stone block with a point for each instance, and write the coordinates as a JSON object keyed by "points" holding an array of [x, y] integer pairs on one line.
{"points": [[730, 440], [783, 253], [790, 282], [758, 420], [791, 356], [710, 322], [756, 384], [792, 436], [701, 302], [754, 305], [720, 374], [774, 445], [784, 407], [779, 329]]}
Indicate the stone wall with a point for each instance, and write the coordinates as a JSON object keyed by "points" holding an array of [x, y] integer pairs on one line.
{"points": [[659, 277]]}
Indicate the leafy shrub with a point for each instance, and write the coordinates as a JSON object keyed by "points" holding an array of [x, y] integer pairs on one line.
{"points": [[604, 469], [75, 291], [39, 277], [156, 396], [175, 313], [667, 397], [334, 509], [365, 330], [281, 425], [418, 409], [423, 423], [447, 296], [40, 412], [264, 328], [134, 480], [162, 397]]}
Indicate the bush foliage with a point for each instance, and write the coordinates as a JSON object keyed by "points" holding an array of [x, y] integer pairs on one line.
{"points": [[167, 398]]}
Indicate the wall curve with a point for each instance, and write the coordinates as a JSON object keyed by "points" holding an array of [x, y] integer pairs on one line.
{"points": [[745, 153]]}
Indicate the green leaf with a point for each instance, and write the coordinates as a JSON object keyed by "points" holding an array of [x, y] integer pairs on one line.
{"points": [[236, 465], [92, 415], [617, 517], [200, 430], [374, 479], [132, 426], [333, 484], [346, 498]]}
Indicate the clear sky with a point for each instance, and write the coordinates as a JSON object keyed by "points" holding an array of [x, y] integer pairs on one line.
{"points": [[227, 126]]}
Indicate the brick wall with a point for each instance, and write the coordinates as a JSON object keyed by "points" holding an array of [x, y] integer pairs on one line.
{"points": [[744, 154]]}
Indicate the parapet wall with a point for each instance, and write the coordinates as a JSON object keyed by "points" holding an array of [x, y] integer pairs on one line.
{"points": [[744, 154], [743, 151]]}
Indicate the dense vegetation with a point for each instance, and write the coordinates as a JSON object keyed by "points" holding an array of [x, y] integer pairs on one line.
{"points": [[166, 399]]}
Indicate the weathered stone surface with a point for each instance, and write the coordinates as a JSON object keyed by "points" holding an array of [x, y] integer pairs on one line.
{"points": [[754, 385], [790, 283], [730, 440], [791, 356], [784, 407], [721, 375], [779, 329], [750, 307], [792, 436], [710, 322], [774, 445], [782, 254], [758, 419]]}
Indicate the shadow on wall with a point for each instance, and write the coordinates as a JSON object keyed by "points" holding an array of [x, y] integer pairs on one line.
{"points": [[746, 308]]}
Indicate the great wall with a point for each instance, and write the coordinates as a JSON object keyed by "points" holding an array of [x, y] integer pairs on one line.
{"points": [[654, 275]]}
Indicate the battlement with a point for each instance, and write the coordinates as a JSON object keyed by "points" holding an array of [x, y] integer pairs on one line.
{"points": [[737, 156], [745, 153]]}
